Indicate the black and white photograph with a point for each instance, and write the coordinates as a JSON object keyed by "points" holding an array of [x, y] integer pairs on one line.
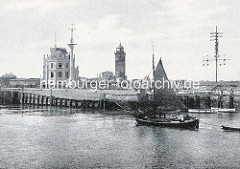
{"points": [[120, 84]]}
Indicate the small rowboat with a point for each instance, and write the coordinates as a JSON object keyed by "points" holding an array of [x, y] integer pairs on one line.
{"points": [[230, 128]]}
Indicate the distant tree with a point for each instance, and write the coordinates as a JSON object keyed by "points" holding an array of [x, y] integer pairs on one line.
{"points": [[5, 79]]}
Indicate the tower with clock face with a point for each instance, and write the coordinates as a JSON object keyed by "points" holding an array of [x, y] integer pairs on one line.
{"points": [[120, 63]]}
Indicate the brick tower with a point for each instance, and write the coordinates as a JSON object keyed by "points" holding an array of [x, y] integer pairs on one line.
{"points": [[120, 63]]}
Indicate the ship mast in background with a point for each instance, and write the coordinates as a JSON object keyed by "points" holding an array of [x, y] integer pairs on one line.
{"points": [[153, 69]]}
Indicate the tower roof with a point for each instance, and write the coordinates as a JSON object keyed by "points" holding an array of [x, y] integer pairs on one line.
{"points": [[120, 47], [58, 52]]}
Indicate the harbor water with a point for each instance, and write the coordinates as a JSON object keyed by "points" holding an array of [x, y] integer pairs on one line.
{"points": [[67, 138]]}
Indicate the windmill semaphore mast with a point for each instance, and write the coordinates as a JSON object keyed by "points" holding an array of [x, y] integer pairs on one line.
{"points": [[71, 45]]}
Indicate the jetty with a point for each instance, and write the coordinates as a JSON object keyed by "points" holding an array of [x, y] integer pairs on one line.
{"points": [[109, 99], [207, 100], [73, 98]]}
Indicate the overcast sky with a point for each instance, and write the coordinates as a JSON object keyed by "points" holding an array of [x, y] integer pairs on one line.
{"points": [[180, 30]]}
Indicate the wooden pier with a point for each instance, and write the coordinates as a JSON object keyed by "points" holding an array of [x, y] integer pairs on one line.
{"points": [[199, 101], [17, 97], [110, 101]]}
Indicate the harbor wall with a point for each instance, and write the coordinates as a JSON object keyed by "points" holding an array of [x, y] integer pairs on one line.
{"points": [[110, 101], [105, 102], [207, 101]]}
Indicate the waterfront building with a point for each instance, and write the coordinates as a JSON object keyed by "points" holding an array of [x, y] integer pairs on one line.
{"points": [[107, 76], [24, 82], [120, 63], [56, 66], [60, 66]]}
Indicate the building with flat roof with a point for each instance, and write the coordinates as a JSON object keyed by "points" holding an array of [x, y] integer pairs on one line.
{"points": [[24, 82]]}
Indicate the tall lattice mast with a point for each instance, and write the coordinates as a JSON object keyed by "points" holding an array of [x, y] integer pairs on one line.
{"points": [[214, 37]]}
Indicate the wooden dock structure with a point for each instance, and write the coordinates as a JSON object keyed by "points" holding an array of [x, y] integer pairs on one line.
{"points": [[202, 101], [110, 101], [18, 97]]}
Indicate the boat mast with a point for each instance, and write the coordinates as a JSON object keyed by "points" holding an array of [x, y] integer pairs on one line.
{"points": [[153, 69]]}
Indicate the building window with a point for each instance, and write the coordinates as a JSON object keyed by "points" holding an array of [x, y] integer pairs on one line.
{"points": [[66, 75], [51, 65], [52, 74], [59, 74], [66, 65], [59, 65]]}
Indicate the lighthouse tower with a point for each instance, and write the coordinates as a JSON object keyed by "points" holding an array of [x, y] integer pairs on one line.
{"points": [[120, 63]]}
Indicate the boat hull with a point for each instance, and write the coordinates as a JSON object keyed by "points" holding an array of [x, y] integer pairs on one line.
{"points": [[224, 110], [230, 128], [203, 111], [188, 124]]}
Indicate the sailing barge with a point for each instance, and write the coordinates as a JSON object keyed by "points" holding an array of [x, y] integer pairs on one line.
{"points": [[190, 123], [152, 112]]}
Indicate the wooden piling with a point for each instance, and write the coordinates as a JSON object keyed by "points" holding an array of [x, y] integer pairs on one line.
{"points": [[208, 102], [104, 101], [1, 96], [46, 103], [220, 102], [65, 102], [231, 100], [42, 100], [70, 102], [38, 100], [33, 99], [25, 98], [21, 98], [197, 102]]}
